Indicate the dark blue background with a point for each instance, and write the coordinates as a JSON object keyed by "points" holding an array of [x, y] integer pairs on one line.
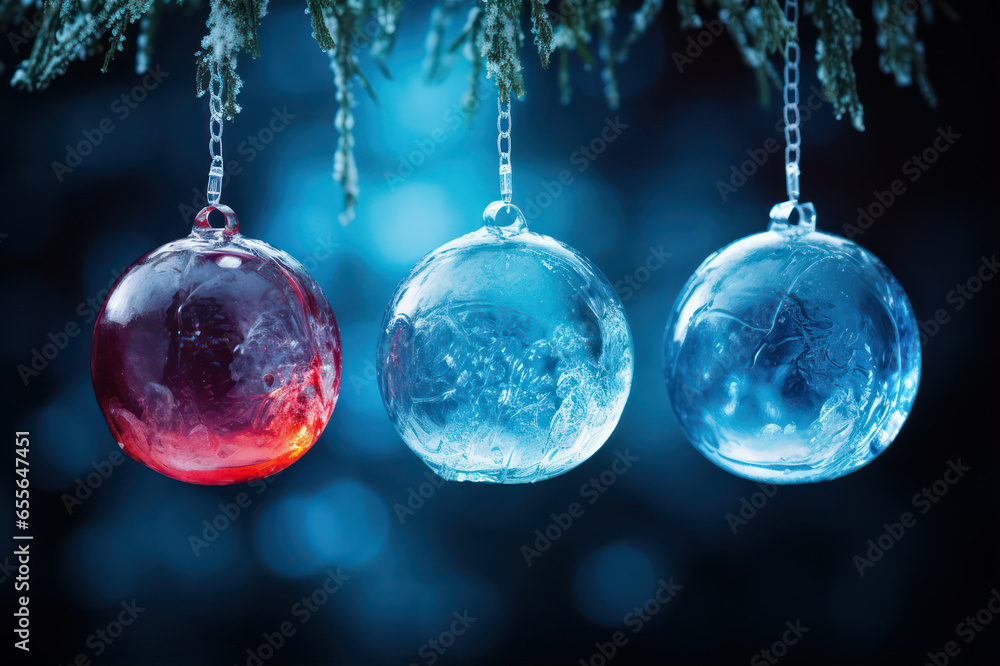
{"points": [[666, 517]]}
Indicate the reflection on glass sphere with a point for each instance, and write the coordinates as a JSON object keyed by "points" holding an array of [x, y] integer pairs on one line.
{"points": [[216, 358], [791, 356], [505, 356]]}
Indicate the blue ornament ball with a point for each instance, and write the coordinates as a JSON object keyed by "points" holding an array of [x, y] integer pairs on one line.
{"points": [[505, 356], [792, 356]]}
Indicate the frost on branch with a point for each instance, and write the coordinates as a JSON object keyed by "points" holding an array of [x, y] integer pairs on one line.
{"points": [[387, 18], [70, 31], [641, 22], [542, 29], [776, 31], [434, 44], [751, 30], [232, 27], [569, 28], [317, 11], [490, 39], [349, 25], [499, 44], [344, 64], [758, 28], [148, 27], [902, 53], [839, 37], [473, 30]]}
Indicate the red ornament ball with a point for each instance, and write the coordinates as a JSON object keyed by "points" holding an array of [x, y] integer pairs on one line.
{"points": [[216, 358]]}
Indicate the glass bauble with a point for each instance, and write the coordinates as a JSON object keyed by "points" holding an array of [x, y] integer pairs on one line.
{"points": [[792, 355], [216, 358], [505, 356]]}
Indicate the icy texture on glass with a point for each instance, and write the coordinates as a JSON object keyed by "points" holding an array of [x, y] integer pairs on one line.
{"points": [[792, 357], [505, 357], [216, 359]]}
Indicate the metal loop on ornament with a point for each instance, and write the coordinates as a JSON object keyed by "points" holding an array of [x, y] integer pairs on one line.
{"points": [[201, 223], [490, 218], [782, 213]]}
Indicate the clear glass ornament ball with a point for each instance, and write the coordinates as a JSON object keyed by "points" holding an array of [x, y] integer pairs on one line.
{"points": [[216, 358], [505, 356], [792, 356]]}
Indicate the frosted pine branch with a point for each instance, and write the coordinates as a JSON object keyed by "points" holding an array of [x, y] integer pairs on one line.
{"points": [[542, 29], [491, 39], [605, 29], [434, 43], [902, 53], [148, 27], [232, 28], [499, 46], [839, 37], [387, 16], [641, 21]]}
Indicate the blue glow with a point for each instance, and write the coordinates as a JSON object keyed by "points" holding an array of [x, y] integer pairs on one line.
{"points": [[792, 356], [411, 219], [75, 439], [399, 615], [173, 526], [505, 356], [360, 401], [344, 523], [280, 539], [612, 581]]}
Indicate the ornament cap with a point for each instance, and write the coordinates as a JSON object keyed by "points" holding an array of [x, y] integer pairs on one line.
{"points": [[781, 217], [201, 224], [513, 228]]}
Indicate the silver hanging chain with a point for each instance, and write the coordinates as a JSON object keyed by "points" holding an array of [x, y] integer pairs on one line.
{"points": [[506, 187], [781, 214], [215, 172], [793, 137]]}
